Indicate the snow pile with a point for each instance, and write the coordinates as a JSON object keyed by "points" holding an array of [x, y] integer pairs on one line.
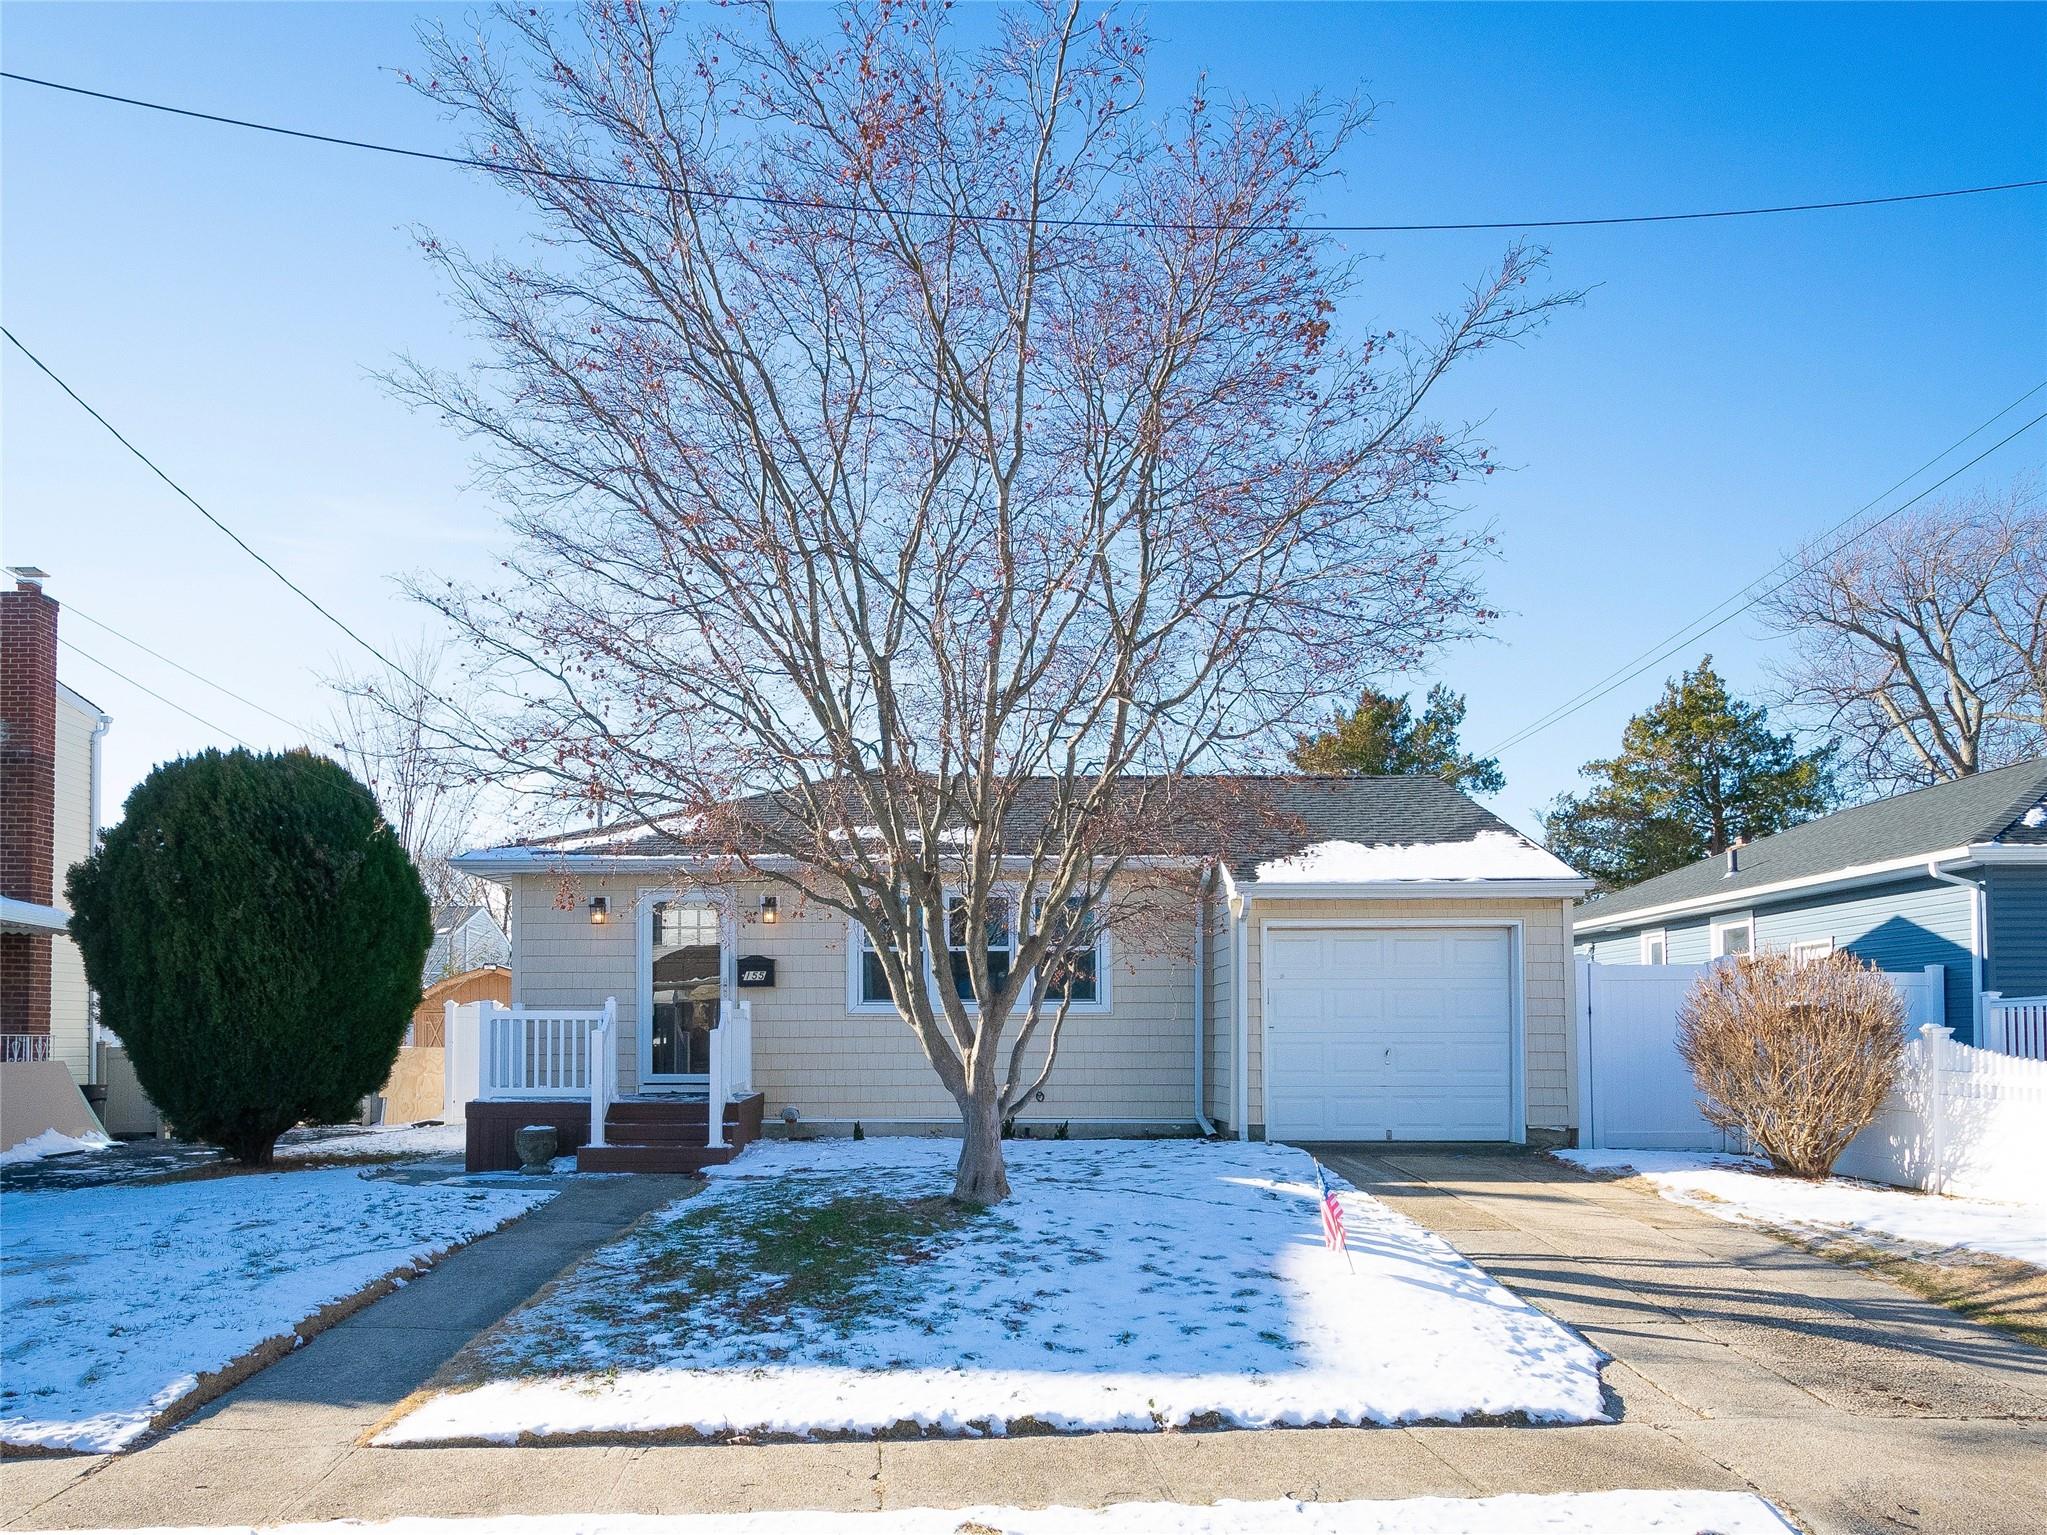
{"points": [[359, 1141], [1489, 855], [51, 1143], [116, 1300], [1557, 1513], [1738, 1189], [1126, 1285]]}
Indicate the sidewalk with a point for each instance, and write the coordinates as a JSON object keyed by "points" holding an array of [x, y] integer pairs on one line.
{"points": [[1739, 1365]]}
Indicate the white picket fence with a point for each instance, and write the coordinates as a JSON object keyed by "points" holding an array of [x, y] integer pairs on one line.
{"points": [[1634, 1091], [2015, 1025], [1960, 1121]]}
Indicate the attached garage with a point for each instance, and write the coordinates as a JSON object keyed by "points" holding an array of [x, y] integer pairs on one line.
{"points": [[1392, 1032]]}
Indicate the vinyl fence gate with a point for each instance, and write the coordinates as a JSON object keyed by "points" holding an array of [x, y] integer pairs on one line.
{"points": [[1634, 1091]]}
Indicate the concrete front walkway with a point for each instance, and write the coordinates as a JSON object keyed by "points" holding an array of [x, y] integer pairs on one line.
{"points": [[1738, 1364]]}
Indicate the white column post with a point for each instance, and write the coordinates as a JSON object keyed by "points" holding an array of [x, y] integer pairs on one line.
{"points": [[1992, 1031], [714, 1107], [1935, 1037], [603, 1066]]}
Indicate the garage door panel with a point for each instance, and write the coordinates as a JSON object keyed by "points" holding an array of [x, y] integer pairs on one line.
{"points": [[1389, 1034]]}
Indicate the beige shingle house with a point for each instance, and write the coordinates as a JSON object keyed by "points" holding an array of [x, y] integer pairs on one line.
{"points": [[1394, 965]]}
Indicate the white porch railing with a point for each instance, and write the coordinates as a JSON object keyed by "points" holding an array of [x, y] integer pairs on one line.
{"points": [[20, 1049], [2015, 1025], [550, 1053]]}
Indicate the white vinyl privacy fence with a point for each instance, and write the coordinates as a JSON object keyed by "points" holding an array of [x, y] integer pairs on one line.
{"points": [[1960, 1121], [1635, 1092]]}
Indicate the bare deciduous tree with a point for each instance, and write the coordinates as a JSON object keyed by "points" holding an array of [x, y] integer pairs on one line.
{"points": [[391, 731], [972, 537], [1923, 645]]}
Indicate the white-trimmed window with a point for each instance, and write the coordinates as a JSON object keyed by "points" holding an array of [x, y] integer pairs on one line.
{"points": [[1655, 947], [1087, 968], [1733, 935], [1085, 983], [997, 938], [869, 984], [1811, 951]]}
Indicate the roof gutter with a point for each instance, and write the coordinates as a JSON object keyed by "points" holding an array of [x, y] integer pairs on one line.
{"points": [[1419, 889], [1840, 879]]}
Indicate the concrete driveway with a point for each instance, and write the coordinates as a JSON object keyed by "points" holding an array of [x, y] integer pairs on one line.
{"points": [[1737, 1364]]}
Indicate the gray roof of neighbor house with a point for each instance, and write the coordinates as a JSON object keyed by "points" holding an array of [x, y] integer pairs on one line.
{"points": [[1250, 821], [1986, 808]]}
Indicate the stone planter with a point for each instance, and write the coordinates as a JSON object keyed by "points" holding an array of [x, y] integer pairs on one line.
{"points": [[536, 1145]]}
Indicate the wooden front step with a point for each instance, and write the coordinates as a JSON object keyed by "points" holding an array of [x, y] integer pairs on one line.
{"points": [[652, 1159]]}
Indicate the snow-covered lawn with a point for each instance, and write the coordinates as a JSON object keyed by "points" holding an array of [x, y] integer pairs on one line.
{"points": [[830, 1287], [114, 1301], [1573, 1513], [1740, 1189]]}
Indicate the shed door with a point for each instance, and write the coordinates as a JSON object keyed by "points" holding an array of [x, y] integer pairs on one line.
{"points": [[1389, 1034]]}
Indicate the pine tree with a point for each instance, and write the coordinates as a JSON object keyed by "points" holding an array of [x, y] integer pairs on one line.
{"points": [[1383, 736], [1695, 773], [256, 935]]}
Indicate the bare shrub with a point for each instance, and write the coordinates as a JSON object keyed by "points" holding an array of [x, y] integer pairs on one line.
{"points": [[1797, 1056]]}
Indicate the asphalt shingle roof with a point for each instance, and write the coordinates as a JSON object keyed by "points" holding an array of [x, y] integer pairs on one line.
{"points": [[1264, 817], [1987, 807]]}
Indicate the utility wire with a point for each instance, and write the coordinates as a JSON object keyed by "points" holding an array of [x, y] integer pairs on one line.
{"points": [[502, 168], [1536, 729], [152, 692], [240, 542], [76, 611], [1684, 635]]}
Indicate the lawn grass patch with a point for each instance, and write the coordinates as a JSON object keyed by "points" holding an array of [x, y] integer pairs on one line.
{"points": [[1998, 1292], [845, 1261]]}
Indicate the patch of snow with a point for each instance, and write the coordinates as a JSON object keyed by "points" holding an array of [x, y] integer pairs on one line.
{"points": [[118, 1299], [1738, 1189], [1557, 1513], [370, 1141], [1125, 1285], [51, 1143], [1489, 855]]}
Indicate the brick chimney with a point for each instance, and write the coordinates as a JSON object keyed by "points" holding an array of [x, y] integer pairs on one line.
{"points": [[28, 793]]}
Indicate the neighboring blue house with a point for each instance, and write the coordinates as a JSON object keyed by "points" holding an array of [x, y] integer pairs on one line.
{"points": [[465, 938], [1954, 875]]}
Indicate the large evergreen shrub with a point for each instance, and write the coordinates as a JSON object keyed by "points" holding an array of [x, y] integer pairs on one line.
{"points": [[256, 934]]}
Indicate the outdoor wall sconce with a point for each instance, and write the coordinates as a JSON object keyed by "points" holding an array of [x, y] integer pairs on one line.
{"points": [[600, 908], [770, 910]]}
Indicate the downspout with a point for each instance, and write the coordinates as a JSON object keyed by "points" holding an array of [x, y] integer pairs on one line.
{"points": [[1201, 1119], [1978, 924], [1241, 1009], [92, 998]]}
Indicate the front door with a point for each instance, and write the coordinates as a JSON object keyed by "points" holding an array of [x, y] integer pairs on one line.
{"points": [[687, 992]]}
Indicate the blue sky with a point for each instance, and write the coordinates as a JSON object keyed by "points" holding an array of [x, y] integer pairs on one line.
{"points": [[1726, 389]]}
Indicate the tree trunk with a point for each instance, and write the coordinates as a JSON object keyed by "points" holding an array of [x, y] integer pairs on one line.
{"points": [[981, 1178]]}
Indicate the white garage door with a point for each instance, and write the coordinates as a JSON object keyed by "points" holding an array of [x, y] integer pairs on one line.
{"points": [[1389, 1034]]}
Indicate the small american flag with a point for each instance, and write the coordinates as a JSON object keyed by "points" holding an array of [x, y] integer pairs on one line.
{"points": [[1332, 1217]]}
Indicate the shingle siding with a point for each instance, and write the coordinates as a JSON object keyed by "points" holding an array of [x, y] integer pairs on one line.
{"points": [[2018, 932]]}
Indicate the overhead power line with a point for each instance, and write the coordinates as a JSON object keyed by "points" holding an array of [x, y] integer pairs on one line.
{"points": [[1690, 637], [75, 611], [1684, 635], [241, 543], [504, 168], [152, 692]]}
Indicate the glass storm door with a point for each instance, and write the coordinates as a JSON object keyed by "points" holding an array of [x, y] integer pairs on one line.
{"points": [[688, 992]]}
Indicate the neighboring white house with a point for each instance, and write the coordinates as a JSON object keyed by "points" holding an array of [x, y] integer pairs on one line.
{"points": [[1396, 966]]}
